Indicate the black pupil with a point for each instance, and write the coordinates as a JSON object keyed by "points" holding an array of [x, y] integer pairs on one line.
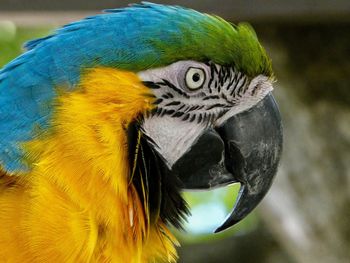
{"points": [[196, 77]]}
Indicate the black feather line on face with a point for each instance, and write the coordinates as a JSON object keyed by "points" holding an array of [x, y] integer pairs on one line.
{"points": [[173, 87], [158, 190], [151, 85]]}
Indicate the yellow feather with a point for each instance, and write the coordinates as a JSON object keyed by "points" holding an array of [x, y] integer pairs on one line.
{"points": [[77, 203]]}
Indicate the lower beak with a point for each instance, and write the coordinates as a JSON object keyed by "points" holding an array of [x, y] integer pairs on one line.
{"points": [[245, 149]]}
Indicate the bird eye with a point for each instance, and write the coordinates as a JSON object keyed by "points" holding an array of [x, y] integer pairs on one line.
{"points": [[195, 78]]}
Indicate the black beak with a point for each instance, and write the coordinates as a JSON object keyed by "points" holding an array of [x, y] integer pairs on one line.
{"points": [[245, 149]]}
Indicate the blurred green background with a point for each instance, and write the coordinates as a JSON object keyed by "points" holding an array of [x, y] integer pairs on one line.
{"points": [[306, 215]]}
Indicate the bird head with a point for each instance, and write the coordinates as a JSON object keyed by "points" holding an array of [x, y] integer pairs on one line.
{"points": [[213, 122], [213, 126]]}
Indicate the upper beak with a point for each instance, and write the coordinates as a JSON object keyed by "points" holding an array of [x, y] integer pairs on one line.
{"points": [[245, 149]]}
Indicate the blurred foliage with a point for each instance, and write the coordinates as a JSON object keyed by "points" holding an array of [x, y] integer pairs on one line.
{"points": [[12, 39], [316, 55]]}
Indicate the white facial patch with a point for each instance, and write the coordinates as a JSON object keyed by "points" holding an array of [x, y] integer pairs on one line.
{"points": [[172, 136]]}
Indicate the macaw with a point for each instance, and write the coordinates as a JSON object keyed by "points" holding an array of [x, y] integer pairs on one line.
{"points": [[106, 121]]}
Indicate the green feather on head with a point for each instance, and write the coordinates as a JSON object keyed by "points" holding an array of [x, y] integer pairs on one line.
{"points": [[203, 37]]}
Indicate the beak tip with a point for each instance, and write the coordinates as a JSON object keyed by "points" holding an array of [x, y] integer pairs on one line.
{"points": [[228, 223], [225, 226], [219, 229]]}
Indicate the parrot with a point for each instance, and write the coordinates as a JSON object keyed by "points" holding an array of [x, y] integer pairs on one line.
{"points": [[107, 120]]}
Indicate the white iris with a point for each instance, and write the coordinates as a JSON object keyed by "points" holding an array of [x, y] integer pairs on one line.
{"points": [[195, 78]]}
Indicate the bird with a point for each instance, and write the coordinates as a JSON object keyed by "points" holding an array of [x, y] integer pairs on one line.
{"points": [[104, 123]]}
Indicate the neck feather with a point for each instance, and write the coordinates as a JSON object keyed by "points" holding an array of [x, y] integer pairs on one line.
{"points": [[86, 156]]}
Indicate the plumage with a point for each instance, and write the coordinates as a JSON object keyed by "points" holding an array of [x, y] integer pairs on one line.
{"points": [[70, 199], [135, 38], [94, 116]]}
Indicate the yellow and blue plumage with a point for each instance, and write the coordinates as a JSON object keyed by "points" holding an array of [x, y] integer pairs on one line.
{"points": [[75, 205], [77, 181]]}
